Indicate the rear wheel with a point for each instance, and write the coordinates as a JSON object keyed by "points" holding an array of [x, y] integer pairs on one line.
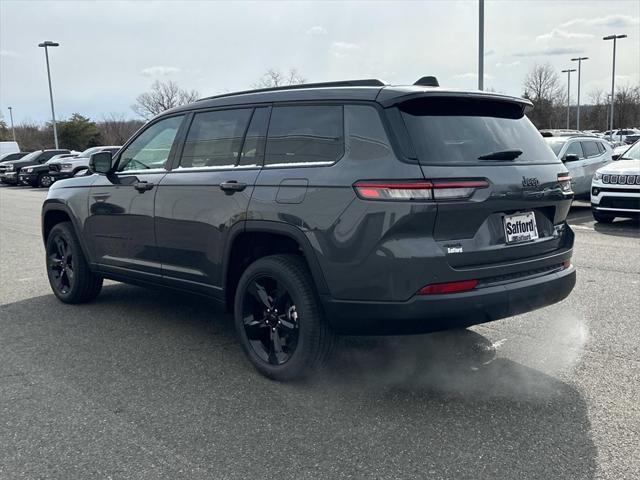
{"points": [[44, 180], [602, 217], [278, 318], [70, 277]]}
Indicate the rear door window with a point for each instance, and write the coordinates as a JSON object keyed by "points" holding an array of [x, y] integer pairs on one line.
{"points": [[590, 149], [452, 130], [300, 135], [215, 139]]}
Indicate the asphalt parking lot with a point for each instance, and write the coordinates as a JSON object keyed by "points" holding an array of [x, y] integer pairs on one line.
{"points": [[144, 384]]}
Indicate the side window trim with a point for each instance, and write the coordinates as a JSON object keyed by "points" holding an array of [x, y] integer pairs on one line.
{"points": [[141, 131]]}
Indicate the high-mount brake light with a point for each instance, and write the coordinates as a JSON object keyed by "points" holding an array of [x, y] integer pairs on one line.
{"points": [[417, 189], [449, 287]]}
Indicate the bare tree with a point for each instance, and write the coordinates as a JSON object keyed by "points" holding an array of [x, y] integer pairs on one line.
{"points": [[542, 86], [116, 130], [161, 97], [276, 78]]}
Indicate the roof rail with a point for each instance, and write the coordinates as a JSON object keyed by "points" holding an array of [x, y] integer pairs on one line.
{"points": [[367, 82]]}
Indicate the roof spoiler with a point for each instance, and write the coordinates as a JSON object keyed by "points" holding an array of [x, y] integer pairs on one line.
{"points": [[429, 81]]}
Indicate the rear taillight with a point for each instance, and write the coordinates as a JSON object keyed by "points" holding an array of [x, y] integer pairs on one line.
{"points": [[449, 287], [417, 189], [564, 179]]}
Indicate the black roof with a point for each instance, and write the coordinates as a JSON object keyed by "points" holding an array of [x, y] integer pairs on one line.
{"points": [[354, 90]]}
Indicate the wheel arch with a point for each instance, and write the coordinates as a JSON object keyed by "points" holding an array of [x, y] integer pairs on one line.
{"points": [[55, 212], [247, 233]]}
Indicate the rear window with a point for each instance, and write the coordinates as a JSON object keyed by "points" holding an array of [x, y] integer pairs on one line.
{"points": [[459, 130], [305, 135]]}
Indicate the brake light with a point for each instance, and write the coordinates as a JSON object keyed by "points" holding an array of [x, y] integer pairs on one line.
{"points": [[564, 179], [449, 287], [417, 189]]}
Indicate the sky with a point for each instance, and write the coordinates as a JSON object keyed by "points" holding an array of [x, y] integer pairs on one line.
{"points": [[110, 52]]}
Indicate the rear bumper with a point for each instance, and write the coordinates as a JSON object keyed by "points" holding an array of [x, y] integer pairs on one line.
{"points": [[428, 313]]}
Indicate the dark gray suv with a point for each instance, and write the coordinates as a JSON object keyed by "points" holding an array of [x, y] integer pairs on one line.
{"points": [[349, 207]]}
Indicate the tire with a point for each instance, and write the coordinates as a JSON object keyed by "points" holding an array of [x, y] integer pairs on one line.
{"points": [[602, 217], [44, 180], [299, 329], [70, 277]]}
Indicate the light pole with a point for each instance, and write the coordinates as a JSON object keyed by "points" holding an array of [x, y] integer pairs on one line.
{"points": [[13, 131], [481, 45], [613, 77], [579, 60], [568, 72], [46, 46]]}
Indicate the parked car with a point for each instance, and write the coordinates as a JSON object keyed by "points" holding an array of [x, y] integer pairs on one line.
{"points": [[615, 190], [9, 147], [67, 168], [7, 157], [348, 207], [38, 175], [619, 136], [631, 139], [582, 155], [9, 170]]}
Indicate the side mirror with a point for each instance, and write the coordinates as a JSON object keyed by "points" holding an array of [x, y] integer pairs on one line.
{"points": [[571, 157], [101, 162]]}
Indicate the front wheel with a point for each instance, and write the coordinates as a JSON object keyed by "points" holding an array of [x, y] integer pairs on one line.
{"points": [[602, 217], [279, 320], [44, 180], [70, 277]]}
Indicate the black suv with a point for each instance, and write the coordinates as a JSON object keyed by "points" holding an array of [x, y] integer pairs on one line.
{"points": [[350, 207], [9, 171]]}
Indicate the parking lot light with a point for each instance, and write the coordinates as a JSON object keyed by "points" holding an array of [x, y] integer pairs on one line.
{"points": [[13, 131], [568, 72], [613, 77], [579, 60], [46, 46]]}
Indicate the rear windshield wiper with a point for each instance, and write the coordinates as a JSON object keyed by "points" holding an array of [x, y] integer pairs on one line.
{"points": [[501, 155]]}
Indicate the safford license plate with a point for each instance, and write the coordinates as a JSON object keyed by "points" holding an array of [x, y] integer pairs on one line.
{"points": [[520, 227]]}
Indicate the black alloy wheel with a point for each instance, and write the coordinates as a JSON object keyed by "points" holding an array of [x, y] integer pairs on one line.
{"points": [[270, 320], [279, 319], [70, 277]]}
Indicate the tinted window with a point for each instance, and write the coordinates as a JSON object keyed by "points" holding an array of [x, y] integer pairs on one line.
{"points": [[151, 148], [254, 143], [215, 139], [366, 138], [575, 149], [600, 147], [454, 130], [305, 134], [590, 149]]}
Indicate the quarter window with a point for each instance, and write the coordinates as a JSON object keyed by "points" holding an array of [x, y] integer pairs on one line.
{"points": [[152, 147], [590, 149], [215, 139], [305, 134]]}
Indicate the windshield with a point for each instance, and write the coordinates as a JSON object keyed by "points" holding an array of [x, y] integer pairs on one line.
{"points": [[633, 153], [31, 156], [88, 152], [460, 130]]}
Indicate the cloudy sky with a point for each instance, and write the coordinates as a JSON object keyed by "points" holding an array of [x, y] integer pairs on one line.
{"points": [[112, 51]]}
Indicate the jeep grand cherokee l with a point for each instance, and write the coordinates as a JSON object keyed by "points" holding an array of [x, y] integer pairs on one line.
{"points": [[351, 207]]}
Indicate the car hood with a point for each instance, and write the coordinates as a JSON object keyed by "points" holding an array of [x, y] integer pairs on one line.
{"points": [[622, 167]]}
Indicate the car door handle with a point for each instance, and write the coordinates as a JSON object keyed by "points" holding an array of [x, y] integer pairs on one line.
{"points": [[233, 186], [143, 186]]}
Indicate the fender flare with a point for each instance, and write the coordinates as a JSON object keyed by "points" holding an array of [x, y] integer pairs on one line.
{"points": [[279, 228], [53, 204]]}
